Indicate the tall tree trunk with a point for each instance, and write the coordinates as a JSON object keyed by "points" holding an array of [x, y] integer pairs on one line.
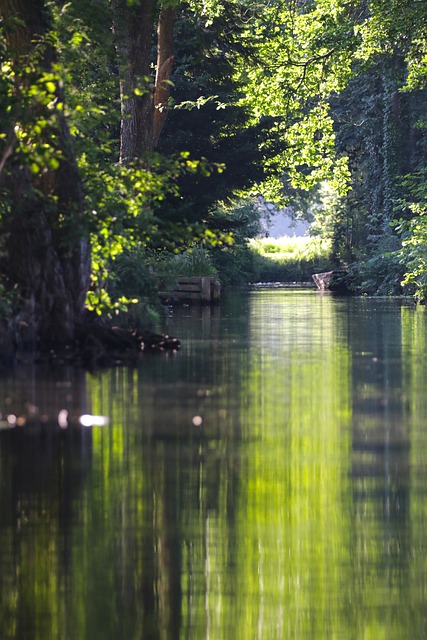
{"points": [[46, 253], [164, 70], [144, 98]]}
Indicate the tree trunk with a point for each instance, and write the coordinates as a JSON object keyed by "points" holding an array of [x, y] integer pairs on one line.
{"points": [[164, 70], [144, 99], [46, 253]]}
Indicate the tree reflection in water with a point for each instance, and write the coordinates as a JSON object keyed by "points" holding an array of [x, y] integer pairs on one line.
{"points": [[293, 508]]}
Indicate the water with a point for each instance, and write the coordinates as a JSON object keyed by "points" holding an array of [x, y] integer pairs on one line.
{"points": [[268, 481]]}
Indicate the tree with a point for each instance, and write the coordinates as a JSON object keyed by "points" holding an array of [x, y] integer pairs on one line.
{"points": [[218, 100], [45, 249], [144, 99], [378, 120], [207, 120]]}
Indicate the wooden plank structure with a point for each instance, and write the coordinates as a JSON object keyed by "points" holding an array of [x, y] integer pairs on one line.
{"points": [[197, 289]]}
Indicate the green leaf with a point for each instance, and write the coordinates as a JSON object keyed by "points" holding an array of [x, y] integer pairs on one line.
{"points": [[34, 168], [53, 163], [50, 86]]}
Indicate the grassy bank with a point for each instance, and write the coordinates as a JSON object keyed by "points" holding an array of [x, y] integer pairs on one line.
{"points": [[289, 259]]}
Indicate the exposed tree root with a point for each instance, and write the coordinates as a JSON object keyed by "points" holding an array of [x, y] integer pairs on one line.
{"points": [[98, 345], [95, 345]]}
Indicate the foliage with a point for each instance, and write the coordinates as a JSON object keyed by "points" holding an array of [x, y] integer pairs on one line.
{"points": [[196, 261], [31, 111], [302, 55], [131, 283], [291, 259], [7, 303], [139, 203], [381, 274], [271, 98], [414, 255], [379, 127], [383, 127], [206, 118], [413, 232], [235, 263]]}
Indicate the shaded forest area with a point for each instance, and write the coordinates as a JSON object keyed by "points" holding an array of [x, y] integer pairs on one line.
{"points": [[133, 130]]}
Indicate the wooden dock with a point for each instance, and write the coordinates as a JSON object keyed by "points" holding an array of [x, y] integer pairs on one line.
{"points": [[195, 289]]}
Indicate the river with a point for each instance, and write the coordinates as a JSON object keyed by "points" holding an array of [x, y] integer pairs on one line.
{"points": [[268, 481]]}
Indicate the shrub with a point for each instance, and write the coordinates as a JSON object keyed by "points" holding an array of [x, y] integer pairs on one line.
{"points": [[236, 265], [413, 252], [131, 277], [380, 275], [196, 261], [289, 259]]}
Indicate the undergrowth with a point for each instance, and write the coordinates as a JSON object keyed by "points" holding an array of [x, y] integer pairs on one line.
{"points": [[290, 259], [136, 273]]}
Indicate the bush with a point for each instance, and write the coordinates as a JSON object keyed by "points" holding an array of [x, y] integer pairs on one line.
{"points": [[236, 265], [413, 252], [131, 277], [288, 259], [379, 275], [196, 261]]}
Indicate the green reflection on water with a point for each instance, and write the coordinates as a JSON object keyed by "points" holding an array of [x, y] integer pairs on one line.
{"points": [[295, 510], [295, 506]]}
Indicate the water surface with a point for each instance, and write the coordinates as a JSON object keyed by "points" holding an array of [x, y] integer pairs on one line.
{"points": [[267, 481]]}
